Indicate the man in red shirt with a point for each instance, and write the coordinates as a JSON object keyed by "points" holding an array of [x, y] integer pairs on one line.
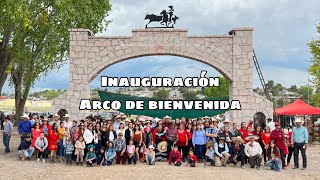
{"points": [[175, 156], [192, 159], [278, 136]]}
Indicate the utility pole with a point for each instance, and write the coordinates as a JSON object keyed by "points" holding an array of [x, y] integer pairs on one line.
{"points": [[308, 89]]}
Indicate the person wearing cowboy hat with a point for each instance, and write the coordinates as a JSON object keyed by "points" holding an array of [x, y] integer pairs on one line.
{"points": [[55, 120], [218, 119], [117, 122], [237, 151], [175, 156], [254, 151], [24, 127], [299, 141], [91, 158], [222, 151], [67, 123], [226, 122], [278, 136], [166, 121], [150, 155]]}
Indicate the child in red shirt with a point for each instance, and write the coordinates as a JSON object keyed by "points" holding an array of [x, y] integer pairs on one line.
{"points": [[192, 159]]}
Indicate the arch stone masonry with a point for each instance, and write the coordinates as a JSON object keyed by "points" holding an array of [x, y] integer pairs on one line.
{"points": [[230, 54]]}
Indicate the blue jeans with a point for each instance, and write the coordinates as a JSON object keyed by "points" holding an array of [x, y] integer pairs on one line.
{"points": [[212, 162], [151, 162], [109, 162], [60, 152], [98, 146], [133, 158], [199, 150], [99, 159], [274, 164], [27, 153], [92, 162], [6, 140], [282, 158]]}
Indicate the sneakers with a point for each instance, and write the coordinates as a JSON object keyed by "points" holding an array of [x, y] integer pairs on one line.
{"points": [[258, 168], [303, 168], [43, 161], [38, 159], [242, 167], [295, 167]]}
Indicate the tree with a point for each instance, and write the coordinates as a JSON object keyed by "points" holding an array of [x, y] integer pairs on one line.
{"points": [[314, 69], [305, 93], [221, 91], [277, 89], [293, 88], [51, 94], [161, 94], [40, 41], [270, 84], [189, 94]]}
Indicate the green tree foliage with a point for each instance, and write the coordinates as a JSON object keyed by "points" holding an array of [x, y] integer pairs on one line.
{"points": [[190, 94], [314, 69], [39, 40], [270, 84], [221, 91], [51, 94], [161, 94], [305, 93]]}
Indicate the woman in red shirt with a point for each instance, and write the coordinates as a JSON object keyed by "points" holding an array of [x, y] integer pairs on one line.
{"points": [[53, 140], [265, 137], [182, 141], [189, 131]]}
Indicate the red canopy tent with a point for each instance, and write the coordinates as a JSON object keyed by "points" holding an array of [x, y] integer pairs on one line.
{"points": [[298, 107]]}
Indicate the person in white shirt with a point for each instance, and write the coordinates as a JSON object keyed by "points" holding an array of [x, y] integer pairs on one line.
{"points": [[271, 124], [253, 151], [67, 123], [89, 136], [55, 120]]}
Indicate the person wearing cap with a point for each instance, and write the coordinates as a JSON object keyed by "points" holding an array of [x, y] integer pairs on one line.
{"points": [[150, 155], [24, 127], [237, 151], [253, 151], [120, 148], [7, 132], [271, 124], [278, 136], [25, 150], [299, 141], [91, 157], [222, 151], [175, 156]]}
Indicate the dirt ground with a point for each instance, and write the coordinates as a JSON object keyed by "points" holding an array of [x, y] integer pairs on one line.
{"points": [[12, 168]]}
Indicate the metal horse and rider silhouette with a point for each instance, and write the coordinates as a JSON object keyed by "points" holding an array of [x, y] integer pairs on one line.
{"points": [[166, 18]]}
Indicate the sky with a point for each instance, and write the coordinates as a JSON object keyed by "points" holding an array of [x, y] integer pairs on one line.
{"points": [[282, 29]]}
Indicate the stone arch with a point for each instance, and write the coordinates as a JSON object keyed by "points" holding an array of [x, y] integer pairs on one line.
{"points": [[230, 54], [95, 72]]}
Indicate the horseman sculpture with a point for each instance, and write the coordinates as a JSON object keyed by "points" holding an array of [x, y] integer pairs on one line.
{"points": [[164, 19]]}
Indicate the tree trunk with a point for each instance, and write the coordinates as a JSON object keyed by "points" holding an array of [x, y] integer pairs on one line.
{"points": [[4, 57]]}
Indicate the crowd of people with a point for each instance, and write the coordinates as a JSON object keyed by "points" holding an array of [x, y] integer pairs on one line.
{"points": [[208, 140]]}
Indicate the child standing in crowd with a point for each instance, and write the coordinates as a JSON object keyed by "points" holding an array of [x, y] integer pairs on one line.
{"points": [[209, 157], [69, 149], [131, 152], [80, 146], [151, 156], [62, 134], [110, 153], [91, 158], [192, 159], [100, 157]]}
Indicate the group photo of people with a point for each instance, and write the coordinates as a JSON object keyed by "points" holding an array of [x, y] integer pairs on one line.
{"points": [[205, 141]]}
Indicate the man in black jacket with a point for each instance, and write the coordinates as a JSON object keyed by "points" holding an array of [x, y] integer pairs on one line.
{"points": [[128, 133], [237, 151]]}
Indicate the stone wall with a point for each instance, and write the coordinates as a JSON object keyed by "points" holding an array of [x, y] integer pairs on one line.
{"points": [[230, 54]]}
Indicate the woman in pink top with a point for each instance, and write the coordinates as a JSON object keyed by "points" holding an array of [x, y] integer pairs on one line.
{"points": [[131, 152]]}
